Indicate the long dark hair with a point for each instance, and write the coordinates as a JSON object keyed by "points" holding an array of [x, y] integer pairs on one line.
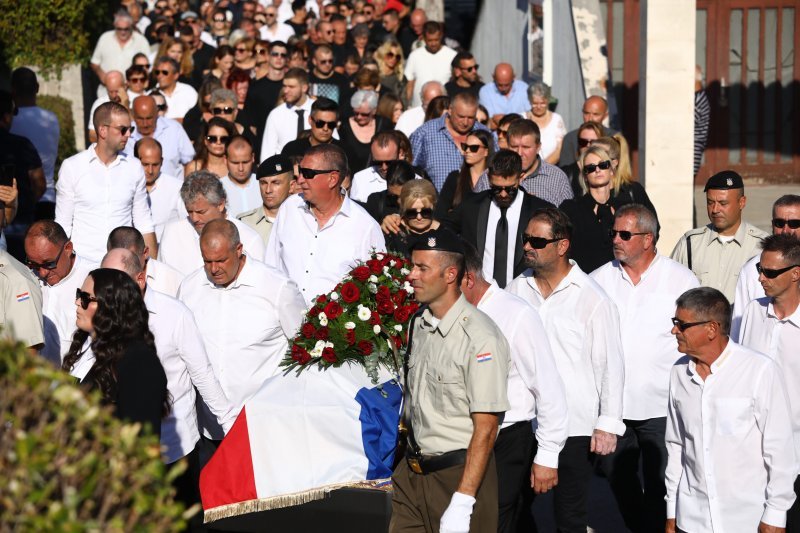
{"points": [[464, 183], [200, 143], [121, 318]]}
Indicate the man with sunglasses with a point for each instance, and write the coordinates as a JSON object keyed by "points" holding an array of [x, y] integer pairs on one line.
{"points": [[732, 460], [266, 88], [176, 148], [644, 286], [323, 80], [465, 75], [181, 97], [582, 326], [50, 255], [274, 29], [384, 151], [115, 91], [785, 220], [286, 122], [324, 120], [717, 251], [115, 48]]}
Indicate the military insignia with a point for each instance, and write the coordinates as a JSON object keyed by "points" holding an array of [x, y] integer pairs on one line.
{"points": [[729, 182], [483, 357], [278, 167], [432, 242]]}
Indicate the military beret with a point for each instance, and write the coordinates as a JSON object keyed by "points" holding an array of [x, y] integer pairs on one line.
{"points": [[442, 240], [727, 179], [272, 166]]}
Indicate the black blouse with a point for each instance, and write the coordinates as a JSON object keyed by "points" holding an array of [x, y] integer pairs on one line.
{"points": [[358, 153]]}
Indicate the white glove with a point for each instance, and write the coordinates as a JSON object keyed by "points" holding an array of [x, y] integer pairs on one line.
{"points": [[456, 517]]}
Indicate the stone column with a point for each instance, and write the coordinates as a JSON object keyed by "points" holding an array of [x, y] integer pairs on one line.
{"points": [[666, 113]]}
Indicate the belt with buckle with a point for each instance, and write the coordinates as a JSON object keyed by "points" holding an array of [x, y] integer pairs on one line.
{"points": [[428, 464]]}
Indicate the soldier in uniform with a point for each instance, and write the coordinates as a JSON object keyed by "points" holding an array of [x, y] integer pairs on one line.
{"points": [[717, 251], [21, 316], [276, 182], [456, 394]]}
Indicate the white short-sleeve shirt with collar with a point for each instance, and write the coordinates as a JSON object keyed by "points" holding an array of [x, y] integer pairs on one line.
{"points": [[242, 199], [182, 99]]}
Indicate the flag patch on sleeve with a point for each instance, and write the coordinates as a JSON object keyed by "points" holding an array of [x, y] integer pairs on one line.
{"points": [[24, 296], [483, 357]]}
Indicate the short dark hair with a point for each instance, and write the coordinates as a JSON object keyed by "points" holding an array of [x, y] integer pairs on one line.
{"points": [[508, 119], [787, 200], [708, 304], [473, 260], [126, 237], [166, 59], [523, 127], [23, 82], [465, 97], [785, 244], [461, 56], [297, 74], [431, 27], [280, 44], [105, 111], [335, 158], [324, 104], [399, 173], [559, 222], [505, 163]]}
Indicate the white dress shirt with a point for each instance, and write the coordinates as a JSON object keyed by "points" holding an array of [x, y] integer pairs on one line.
{"points": [[241, 199], [180, 246], [281, 127], [92, 199], [764, 332], [282, 32], [411, 119], [163, 278], [366, 182], [186, 364], [535, 389], [731, 455], [58, 308], [582, 325], [513, 213], [165, 202], [318, 258], [648, 346], [176, 148], [747, 289], [245, 327], [182, 99]]}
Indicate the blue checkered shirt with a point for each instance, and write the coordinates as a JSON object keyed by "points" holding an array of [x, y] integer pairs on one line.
{"points": [[436, 152], [548, 182]]}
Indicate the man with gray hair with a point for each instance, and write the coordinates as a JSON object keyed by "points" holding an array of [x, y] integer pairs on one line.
{"points": [[731, 462], [180, 97], [643, 285], [115, 48], [205, 200], [414, 117]]}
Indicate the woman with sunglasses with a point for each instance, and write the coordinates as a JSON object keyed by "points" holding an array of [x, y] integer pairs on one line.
{"points": [[389, 57], [356, 133], [551, 125], [592, 215], [211, 148], [244, 53], [477, 151], [221, 64], [417, 205], [113, 350], [588, 133], [225, 104]]}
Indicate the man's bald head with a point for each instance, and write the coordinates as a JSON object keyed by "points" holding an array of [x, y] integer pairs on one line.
{"points": [[144, 104], [124, 260], [503, 77], [595, 109], [417, 20], [429, 91], [222, 252], [220, 231], [145, 114], [115, 82]]}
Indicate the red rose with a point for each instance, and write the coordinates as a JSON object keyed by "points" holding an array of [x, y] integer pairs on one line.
{"points": [[321, 299], [375, 319], [350, 292], [365, 347], [300, 354], [401, 314], [413, 307], [350, 337], [333, 310], [385, 307], [329, 355], [383, 294], [314, 311], [400, 297], [360, 273], [375, 266], [398, 341], [308, 330], [321, 334]]}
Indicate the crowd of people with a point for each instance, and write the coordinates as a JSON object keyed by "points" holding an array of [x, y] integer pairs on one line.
{"points": [[245, 155]]}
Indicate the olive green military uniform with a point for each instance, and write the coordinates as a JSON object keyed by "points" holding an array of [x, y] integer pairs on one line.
{"points": [[256, 219], [21, 316]]}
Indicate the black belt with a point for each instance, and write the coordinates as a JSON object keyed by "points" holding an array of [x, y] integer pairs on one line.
{"points": [[517, 426], [428, 464]]}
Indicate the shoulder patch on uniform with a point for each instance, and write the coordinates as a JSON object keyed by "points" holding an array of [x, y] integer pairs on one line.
{"points": [[24, 296], [483, 357]]}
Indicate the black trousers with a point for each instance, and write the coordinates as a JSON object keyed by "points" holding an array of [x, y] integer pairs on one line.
{"points": [[641, 501], [512, 452], [793, 516]]}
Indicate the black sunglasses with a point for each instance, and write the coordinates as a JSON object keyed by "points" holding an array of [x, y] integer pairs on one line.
{"points": [[591, 167], [426, 213], [223, 139], [47, 265], [279, 54], [509, 189], [262, 51], [385, 162], [322, 123], [85, 298], [625, 235], [683, 326], [772, 273], [781, 222], [537, 243], [222, 110], [471, 147], [583, 143], [311, 173], [470, 68], [122, 129], [161, 72]]}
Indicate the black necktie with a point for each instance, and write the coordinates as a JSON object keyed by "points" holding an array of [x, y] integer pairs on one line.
{"points": [[300, 122], [501, 249]]}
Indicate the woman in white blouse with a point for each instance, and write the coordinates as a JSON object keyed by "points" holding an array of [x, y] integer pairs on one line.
{"points": [[551, 125]]}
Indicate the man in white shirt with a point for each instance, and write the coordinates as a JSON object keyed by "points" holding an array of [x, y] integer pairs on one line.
{"points": [[275, 183], [181, 97], [287, 121], [115, 48], [204, 198], [160, 276], [385, 151], [256, 310], [414, 117], [103, 187], [163, 190], [431, 63], [582, 325], [321, 233], [241, 185], [176, 148], [535, 391], [771, 325], [275, 30], [785, 219], [644, 287], [729, 428], [50, 255]]}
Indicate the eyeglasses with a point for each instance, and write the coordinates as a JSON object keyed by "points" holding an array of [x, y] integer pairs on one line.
{"points": [[471, 147], [537, 243], [384, 162], [217, 139], [390, 55], [772, 273], [502, 133], [625, 235], [322, 123], [222, 110], [47, 265], [683, 326], [241, 50], [260, 21], [262, 51], [426, 213], [781, 222], [145, 65], [161, 107], [325, 61], [122, 129], [311, 173], [221, 20], [162, 72], [122, 28], [508, 189], [583, 143], [470, 68], [85, 298], [279, 54], [137, 80], [591, 167]]}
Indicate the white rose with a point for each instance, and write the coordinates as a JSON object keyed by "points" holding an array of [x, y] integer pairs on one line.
{"points": [[379, 256], [317, 350], [386, 270], [349, 325], [392, 263], [404, 271], [373, 279], [323, 319], [372, 288], [398, 327], [334, 296], [376, 329], [408, 288], [364, 313], [329, 345]]}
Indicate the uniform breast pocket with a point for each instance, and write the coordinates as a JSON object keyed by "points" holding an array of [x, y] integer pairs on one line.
{"points": [[446, 392], [734, 415]]}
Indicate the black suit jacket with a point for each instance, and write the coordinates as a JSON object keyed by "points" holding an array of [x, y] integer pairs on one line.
{"points": [[470, 221]]}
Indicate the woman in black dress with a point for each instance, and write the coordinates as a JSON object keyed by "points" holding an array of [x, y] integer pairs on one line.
{"points": [[356, 132], [592, 214], [112, 323]]}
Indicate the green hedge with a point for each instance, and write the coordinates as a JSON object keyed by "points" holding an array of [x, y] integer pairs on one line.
{"points": [[63, 110]]}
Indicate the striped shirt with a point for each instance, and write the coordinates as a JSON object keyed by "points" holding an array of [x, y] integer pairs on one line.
{"points": [[547, 182], [702, 119]]}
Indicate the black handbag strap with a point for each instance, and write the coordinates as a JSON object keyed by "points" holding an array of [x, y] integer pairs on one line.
{"points": [[689, 251]]}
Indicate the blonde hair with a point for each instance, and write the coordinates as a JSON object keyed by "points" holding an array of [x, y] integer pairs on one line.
{"points": [[604, 155], [417, 190], [380, 53], [617, 148], [186, 63]]}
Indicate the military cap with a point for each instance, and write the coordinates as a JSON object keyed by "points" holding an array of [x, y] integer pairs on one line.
{"points": [[442, 240], [727, 179], [272, 166]]}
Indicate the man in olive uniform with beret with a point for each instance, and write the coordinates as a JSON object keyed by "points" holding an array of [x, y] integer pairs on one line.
{"points": [[276, 182], [456, 395], [717, 251], [21, 317]]}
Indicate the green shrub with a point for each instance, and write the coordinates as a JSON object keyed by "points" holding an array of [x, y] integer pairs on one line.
{"points": [[66, 464], [63, 110]]}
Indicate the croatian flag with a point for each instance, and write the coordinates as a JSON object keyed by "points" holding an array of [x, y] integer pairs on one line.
{"points": [[300, 437]]}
